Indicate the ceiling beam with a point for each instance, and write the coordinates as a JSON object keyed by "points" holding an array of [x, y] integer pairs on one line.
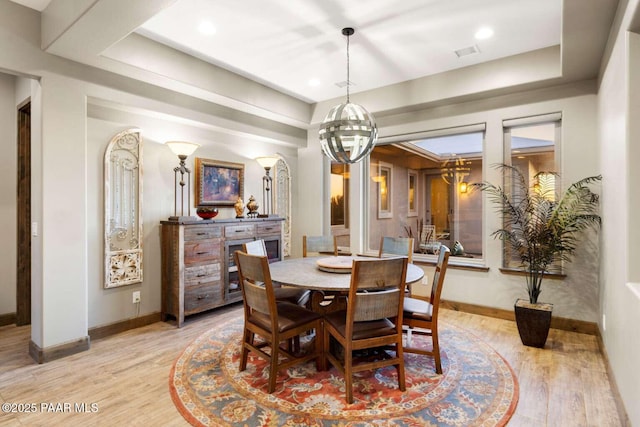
{"points": [[80, 28]]}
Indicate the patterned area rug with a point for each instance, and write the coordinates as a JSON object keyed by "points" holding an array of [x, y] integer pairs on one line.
{"points": [[477, 387]]}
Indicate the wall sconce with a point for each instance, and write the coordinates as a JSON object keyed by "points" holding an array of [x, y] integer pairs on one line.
{"points": [[464, 186], [183, 150], [267, 206]]}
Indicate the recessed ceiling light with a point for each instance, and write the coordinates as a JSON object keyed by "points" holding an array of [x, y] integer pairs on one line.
{"points": [[484, 33], [206, 28], [314, 82]]}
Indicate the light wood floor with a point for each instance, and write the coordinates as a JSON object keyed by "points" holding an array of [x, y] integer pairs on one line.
{"points": [[126, 375]]}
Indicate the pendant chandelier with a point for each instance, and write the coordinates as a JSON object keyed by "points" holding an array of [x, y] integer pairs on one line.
{"points": [[348, 132]]}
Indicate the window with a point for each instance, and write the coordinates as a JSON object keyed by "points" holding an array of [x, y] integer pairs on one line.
{"points": [[339, 194], [530, 145], [429, 173], [412, 177], [385, 189], [340, 204]]}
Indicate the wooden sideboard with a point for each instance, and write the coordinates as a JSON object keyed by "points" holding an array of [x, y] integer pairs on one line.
{"points": [[198, 269]]}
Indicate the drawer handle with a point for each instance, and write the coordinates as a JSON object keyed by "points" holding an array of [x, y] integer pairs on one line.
{"points": [[268, 228], [240, 231], [201, 253], [201, 275], [202, 234], [205, 296]]}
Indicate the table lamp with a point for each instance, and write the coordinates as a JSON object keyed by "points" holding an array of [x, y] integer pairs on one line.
{"points": [[267, 163], [183, 150]]}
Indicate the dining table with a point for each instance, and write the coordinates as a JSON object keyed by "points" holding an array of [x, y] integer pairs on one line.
{"points": [[329, 278]]}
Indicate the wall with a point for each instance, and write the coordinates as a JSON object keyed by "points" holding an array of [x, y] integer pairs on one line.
{"points": [[73, 126], [8, 176], [76, 109], [575, 297], [112, 305], [618, 113]]}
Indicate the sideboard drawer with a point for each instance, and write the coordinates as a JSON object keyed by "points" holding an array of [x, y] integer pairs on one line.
{"points": [[202, 297], [202, 251], [269, 229], [202, 232], [243, 231], [199, 274]]}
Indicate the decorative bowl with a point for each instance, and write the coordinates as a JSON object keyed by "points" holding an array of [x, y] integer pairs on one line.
{"points": [[206, 212]]}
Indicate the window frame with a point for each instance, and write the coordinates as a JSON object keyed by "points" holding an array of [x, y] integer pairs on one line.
{"points": [[508, 125], [413, 192], [385, 182], [367, 195]]}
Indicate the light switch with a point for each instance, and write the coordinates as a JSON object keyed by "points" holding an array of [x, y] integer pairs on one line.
{"points": [[34, 229]]}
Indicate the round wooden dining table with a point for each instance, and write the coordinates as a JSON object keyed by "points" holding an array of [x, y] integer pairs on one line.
{"points": [[324, 275]]}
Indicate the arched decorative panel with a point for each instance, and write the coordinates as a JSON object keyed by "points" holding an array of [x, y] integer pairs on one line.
{"points": [[282, 201], [123, 209]]}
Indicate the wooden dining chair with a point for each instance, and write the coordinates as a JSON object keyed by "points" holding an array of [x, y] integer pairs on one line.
{"points": [[421, 317], [283, 293], [396, 246], [319, 245], [255, 247], [371, 320], [275, 322]]}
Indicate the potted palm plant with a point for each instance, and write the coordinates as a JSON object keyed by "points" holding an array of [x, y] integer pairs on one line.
{"points": [[541, 229]]}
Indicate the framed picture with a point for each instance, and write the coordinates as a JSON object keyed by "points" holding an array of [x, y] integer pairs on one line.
{"points": [[385, 190], [412, 202], [218, 183]]}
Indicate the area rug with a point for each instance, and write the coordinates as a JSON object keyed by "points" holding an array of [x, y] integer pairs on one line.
{"points": [[477, 387]]}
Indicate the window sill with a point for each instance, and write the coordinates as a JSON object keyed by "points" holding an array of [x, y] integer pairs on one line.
{"points": [[518, 272], [459, 263], [453, 265]]}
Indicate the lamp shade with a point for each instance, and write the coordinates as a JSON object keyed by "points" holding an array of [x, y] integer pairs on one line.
{"points": [[267, 162], [182, 148], [348, 133]]}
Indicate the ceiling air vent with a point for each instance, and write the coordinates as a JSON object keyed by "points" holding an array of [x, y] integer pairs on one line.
{"points": [[467, 51], [344, 83]]}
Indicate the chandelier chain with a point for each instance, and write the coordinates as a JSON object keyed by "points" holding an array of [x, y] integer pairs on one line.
{"points": [[348, 78]]}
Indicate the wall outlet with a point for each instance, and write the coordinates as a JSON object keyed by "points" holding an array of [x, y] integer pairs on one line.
{"points": [[136, 297]]}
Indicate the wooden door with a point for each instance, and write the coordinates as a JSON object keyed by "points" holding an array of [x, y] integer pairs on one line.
{"points": [[23, 273]]}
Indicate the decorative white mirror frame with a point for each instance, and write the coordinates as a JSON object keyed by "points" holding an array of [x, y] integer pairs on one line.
{"points": [[123, 210], [282, 201]]}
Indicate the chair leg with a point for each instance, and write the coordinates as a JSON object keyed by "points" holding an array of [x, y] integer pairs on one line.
{"points": [[402, 385], [319, 348], [246, 338], [348, 374], [273, 368], [436, 350], [326, 340], [409, 330]]}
